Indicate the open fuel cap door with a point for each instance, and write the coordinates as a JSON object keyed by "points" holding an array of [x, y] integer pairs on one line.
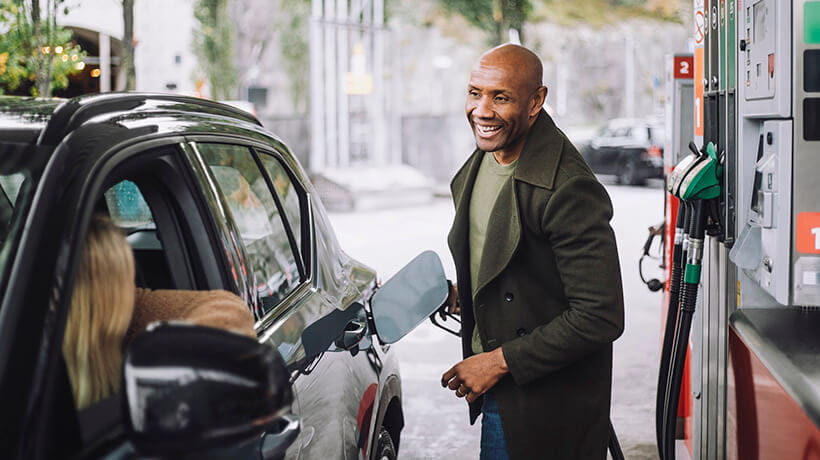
{"points": [[409, 297]]}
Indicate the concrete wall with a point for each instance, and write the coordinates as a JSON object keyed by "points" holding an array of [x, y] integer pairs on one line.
{"points": [[436, 145]]}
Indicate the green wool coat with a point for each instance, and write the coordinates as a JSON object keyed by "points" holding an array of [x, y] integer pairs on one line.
{"points": [[549, 292]]}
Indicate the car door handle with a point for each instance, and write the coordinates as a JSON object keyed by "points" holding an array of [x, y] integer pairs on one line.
{"points": [[354, 332], [274, 445]]}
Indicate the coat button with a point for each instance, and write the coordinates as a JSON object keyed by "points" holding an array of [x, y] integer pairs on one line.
{"points": [[521, 332], [508, 297]]}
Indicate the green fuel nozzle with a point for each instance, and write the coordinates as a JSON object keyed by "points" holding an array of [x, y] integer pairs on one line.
{"points": [[699, 178]]}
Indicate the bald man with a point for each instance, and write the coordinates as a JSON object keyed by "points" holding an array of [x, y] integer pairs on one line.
{"points": [[539, 283]]}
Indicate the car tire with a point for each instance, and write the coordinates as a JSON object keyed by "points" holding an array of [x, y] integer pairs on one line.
{"points": [[385, 449], [629, 174]]}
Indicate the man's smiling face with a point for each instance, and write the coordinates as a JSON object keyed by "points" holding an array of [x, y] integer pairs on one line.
{"points": [[499, 107]]}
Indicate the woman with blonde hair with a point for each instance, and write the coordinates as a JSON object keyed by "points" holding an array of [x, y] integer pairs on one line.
{"points": [[107, 309], [101, 310]]}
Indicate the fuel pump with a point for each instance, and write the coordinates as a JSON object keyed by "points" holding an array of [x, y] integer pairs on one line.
{"points": [[696, 182], [749, 204]]}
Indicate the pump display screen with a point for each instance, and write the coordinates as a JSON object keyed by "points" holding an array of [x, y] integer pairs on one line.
{"points": [[811, 71], [811, 119]]}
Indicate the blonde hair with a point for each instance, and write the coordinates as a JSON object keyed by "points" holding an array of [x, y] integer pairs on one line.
{"points": [[101, 310]]}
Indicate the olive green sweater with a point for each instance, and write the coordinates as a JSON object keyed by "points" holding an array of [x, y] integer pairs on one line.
{"points": [[491, 177]]}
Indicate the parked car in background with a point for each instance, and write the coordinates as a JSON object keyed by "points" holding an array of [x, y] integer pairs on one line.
{"points": [[629, 149], [208, 200]]}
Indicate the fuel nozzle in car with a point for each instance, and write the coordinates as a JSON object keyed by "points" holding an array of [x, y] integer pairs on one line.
{"points": [[444, 312], [696, 181]]}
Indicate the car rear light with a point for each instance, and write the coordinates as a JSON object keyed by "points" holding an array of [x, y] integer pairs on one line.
{"points": [[654, 151]]}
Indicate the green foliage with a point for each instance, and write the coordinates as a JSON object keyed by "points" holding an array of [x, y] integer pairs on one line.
{"points": [[600, 12], [213, 46], [36, 55], [494, 17], [12, 70], [296, 50]]}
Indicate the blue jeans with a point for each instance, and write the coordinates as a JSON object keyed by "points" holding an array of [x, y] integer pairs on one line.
{"points": [[493, 445]]}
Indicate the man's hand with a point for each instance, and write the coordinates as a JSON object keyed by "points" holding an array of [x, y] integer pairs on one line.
{"points": [[476, 374], [453, 306]]}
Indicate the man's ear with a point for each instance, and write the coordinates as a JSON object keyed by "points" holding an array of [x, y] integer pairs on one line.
{"points": [[538, 100]]}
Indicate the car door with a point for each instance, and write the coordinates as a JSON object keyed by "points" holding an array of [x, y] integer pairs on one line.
{"points": [[145, 188], [261, 206]]}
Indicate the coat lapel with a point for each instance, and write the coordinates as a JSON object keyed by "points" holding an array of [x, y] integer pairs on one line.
{"points": [[462, 188], [537, 165], [503, 235]]}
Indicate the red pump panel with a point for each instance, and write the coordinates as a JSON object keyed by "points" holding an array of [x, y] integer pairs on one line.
{"points": [[763, 421]]}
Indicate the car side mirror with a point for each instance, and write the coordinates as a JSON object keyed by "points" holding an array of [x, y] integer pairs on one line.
{"points": [[409, 297], [193, 388]]}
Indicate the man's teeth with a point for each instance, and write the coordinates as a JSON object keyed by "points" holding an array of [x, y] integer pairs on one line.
{"points": [[487, 129]]}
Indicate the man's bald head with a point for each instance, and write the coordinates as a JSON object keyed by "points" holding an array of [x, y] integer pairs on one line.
{"points": [[504, 98], [519, 61]]}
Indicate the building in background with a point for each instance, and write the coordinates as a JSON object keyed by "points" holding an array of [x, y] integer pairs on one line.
{"points": [[377, 88], [163, 55]]}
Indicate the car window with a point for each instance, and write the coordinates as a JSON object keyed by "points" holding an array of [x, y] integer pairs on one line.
{"points": [[127, 207], [640, 133], [129, 211], [256, 215], [656, 134], [624, 131], [290, 197]]}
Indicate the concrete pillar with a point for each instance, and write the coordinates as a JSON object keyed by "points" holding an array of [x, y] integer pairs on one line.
{"points": [[380, 153], [317, 110], [629, 75], [331, 82], [105, 63], [343, 59]]}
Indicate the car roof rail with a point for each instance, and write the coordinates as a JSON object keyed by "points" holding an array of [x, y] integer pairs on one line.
{"points": [[71, 114]]}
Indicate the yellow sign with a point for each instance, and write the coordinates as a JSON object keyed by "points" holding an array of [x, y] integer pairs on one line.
{"points": [[358, 83]]}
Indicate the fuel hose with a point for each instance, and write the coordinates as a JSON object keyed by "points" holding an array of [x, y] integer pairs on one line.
{"points": [[671, 318], [689, 293], [688, 212]]}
